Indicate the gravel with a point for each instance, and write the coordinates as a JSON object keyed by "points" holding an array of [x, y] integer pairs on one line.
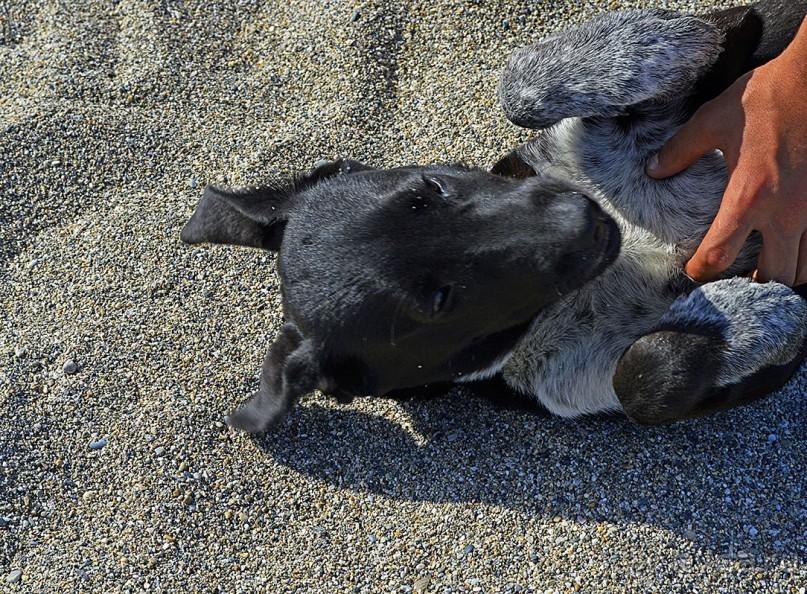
{"points": [[113, 116]]}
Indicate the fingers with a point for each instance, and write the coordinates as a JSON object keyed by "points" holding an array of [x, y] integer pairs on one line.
{"points": [[778, 260], [690, 143], [719, 248]]}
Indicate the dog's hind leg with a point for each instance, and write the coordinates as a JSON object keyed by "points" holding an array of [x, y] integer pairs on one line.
{"points": [[726, 344]]}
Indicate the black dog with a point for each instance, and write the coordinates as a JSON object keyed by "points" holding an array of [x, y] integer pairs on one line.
{"points": [[401, 278]]}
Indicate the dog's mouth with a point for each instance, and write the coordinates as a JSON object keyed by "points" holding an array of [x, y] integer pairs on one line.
{"points": [[578, 266], [608, 235]]}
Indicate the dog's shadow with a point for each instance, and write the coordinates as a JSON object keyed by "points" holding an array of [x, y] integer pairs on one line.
{"points": [[719, 482]]}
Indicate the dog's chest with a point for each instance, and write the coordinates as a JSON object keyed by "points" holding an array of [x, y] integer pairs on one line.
{"points": [[607, 157], [568, 359]]}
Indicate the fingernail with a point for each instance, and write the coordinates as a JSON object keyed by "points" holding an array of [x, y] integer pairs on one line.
{"points": [[652, 165], [692, 280]]}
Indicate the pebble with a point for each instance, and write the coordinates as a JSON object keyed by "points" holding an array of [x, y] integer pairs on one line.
{"points": [[69, 367], [97, 445], [159, 451], [19, 352], [14, 576]]}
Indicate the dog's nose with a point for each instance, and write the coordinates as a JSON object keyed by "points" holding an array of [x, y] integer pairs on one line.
{"points": [[581, 216]]}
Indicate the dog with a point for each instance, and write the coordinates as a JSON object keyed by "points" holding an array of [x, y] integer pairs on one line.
{"points": [[555, 276]]}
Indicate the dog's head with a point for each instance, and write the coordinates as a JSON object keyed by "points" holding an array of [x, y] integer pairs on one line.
{"points": [[404, 277]]}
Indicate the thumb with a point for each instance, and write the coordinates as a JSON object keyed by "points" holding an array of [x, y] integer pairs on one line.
{"points": [[688, 145]]}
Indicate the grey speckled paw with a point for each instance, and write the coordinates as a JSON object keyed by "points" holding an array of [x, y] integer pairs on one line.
{"points": [[603, 66], [727, 343]]}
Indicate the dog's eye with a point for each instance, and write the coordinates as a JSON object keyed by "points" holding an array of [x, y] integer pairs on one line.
{"points": [[441, 299], [435, 184]]}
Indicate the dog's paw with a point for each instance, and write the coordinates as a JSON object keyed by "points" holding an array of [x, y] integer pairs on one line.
{"points": [[606, 65], [763, 325], [727, 343]]}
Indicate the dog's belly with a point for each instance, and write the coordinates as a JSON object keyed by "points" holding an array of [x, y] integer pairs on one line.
{"points": [[568, 359]]}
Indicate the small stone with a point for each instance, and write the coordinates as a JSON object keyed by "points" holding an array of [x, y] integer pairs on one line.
{"points": [[159, 451], [753, 531], [355, 16], [97, 445], [228, 515], [421, 584], [772, 438], [69, 368], [88, 496], [19, 352], [14, 577], [193, 182], [188, 499]]}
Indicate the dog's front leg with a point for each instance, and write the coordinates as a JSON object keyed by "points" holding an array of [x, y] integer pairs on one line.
{"points": [[603, 67], [726, 344]]}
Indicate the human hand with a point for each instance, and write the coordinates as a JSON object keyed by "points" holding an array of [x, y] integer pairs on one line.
{"points": [[760, 125]]}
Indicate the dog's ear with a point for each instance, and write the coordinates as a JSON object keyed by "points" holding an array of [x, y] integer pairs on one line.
{"points": [[607, 65], [290, 370], [256, 217], [513, 165]]}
